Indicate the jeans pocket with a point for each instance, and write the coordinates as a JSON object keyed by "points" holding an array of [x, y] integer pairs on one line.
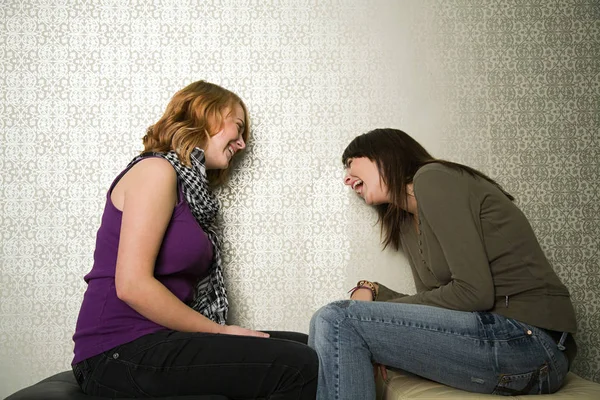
{"points": [[98, 389], [533, 382]]}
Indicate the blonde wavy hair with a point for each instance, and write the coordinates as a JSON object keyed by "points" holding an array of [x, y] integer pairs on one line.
{"points": [[194, 114]]}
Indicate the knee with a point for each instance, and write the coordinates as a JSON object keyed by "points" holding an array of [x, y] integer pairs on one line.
{"points": [[301, 383], [324, 322], [329, 315], [302, 360], [311, 364]]}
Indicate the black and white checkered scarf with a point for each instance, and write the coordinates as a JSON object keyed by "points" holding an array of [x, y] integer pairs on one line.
{"points": [[210, 296]]}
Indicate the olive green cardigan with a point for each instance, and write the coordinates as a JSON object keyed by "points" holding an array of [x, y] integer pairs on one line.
{"points": [[476, 251]]}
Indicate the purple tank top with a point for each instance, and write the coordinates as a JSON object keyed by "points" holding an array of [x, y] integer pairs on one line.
{"points": [[104, 320]]}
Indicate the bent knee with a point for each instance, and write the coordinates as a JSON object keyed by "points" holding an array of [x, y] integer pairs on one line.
{"points": [[325, 320], [311, 365], [331, 313]]}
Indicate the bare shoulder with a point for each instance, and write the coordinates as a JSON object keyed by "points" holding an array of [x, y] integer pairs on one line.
{"points": [[150, 176], [154, 168]]}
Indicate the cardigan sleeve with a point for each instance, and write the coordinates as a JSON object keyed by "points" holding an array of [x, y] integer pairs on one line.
{"points": [[444, 201], [387, 294]]}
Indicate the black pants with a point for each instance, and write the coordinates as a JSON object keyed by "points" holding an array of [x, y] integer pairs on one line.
{"points": [[170, 363]]}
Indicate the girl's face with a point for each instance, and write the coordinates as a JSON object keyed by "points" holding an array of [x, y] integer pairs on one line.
{"points": [[363, 177], [221, 147]]}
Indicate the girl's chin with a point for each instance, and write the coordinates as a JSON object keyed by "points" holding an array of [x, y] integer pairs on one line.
{"points": [[223, 164], [374, 202], [225, 161]]}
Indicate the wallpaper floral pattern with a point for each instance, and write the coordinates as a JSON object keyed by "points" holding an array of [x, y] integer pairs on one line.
{"points": [[510, 87]]}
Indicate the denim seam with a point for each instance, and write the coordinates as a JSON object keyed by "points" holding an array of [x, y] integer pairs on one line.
{"points": [[105, 387], [90, 371], [134, 384], [409, 325], [304, 380], [146, 348], [337, 357], [149, 346], [137, 351], [338, 323], [549, 353], [129, 364]]}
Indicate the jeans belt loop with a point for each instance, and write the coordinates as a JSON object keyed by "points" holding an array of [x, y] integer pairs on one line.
{"points": [[561, 342], [78, 372], [82, 370]]}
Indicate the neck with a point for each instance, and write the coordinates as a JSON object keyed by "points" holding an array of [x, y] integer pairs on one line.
{"points": [[411, 201]]}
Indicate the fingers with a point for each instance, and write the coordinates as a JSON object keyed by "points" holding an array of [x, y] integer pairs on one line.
{"points": [[259, 334], [383, 371], [238, 330]]}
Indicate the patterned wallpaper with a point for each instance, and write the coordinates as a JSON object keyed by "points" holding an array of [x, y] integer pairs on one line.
{"points": [[510, 87], [524, 92]]}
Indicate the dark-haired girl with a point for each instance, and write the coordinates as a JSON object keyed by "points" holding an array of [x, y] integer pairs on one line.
{"points": [[489, 316]]}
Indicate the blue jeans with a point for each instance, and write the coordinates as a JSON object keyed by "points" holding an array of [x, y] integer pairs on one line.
{"points": [[474, 351]]}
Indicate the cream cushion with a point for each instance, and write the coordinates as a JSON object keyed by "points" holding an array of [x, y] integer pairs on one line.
{"points": [[402, 386]]}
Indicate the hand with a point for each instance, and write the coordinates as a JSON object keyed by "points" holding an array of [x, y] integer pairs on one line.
{"points": [[363, 294], [238, 330], [382, 369]]}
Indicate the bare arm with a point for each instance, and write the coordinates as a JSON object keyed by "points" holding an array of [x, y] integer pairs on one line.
{"points": [[149, 193]]}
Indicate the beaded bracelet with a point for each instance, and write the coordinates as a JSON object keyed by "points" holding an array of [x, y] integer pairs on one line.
{"points": [[364, 285]]}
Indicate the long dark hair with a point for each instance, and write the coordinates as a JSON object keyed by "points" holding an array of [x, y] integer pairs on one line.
{"points": [[398, 157]]}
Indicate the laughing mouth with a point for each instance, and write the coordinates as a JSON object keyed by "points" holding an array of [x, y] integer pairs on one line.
{"points": [[357, 186]]}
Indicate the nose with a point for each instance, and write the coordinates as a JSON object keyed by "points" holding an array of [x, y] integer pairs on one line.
{"points": [[241, 145], [348, 179]]}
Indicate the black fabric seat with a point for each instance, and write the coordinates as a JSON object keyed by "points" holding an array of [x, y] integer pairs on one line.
{"points": [[63, 386]]}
